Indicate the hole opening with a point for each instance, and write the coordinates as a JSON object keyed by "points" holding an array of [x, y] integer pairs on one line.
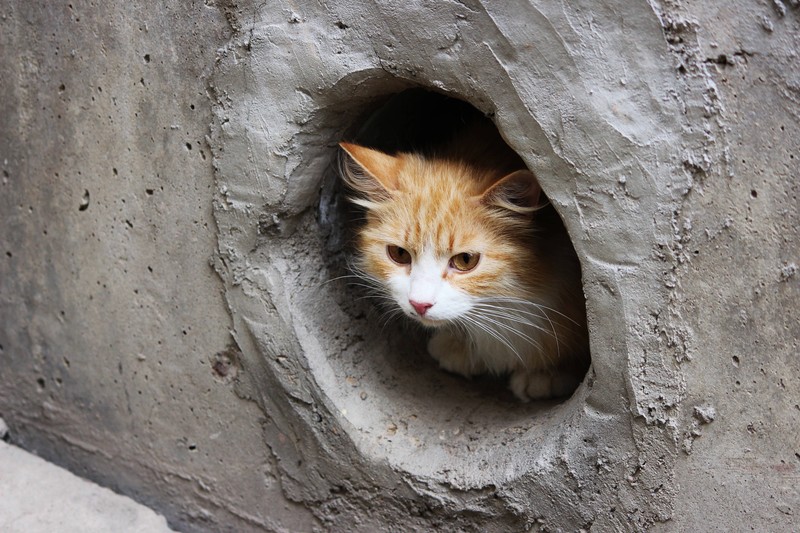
{"points": [[396, 400]]}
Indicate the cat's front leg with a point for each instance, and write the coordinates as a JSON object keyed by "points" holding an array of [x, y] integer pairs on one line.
{"points": [[453, 354], [539, 385]]}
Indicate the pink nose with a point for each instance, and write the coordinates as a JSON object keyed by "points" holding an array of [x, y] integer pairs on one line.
{"points": [[420, 307]]}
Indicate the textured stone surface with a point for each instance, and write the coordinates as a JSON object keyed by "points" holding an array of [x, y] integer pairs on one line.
{"points": [[596, 119], [144, 144], [111, 319], [737, 292]]}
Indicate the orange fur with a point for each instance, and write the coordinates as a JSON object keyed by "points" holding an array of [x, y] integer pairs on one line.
{"points": [[476, 197]]}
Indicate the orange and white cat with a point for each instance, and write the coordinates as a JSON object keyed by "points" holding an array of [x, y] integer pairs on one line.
{"points": [[465, 243]]}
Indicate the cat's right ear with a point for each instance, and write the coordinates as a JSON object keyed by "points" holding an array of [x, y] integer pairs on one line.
{"points": [[369, 172], [518, 192]]}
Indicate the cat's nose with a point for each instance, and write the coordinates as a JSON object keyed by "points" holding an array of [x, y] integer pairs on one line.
{"points": [[420, 307]]}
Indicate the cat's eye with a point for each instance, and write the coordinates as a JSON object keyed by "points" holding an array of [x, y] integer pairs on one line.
{"points": [[464, 261], [398, 255]]}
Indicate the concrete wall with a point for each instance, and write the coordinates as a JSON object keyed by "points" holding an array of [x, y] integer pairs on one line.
{"points": [[171, 223]]}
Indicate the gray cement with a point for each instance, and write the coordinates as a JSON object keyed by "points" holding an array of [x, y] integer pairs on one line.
{"points": [[172, 325], [39, 497]]}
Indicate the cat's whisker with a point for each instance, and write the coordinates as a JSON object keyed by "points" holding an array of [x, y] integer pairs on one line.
{"points": [[337, 278], [555, 335], [544, 316], [510, 328], [494, 334], [463, 329], [523, 302], [374, 290], [368, 291], [375, 296], [359, 271], [485, 304], [516, 331], [507, 314], [380, 299], [472, 324], [512, 311], [388, 316], [510, 316], [552, 332], [528, 302], [499, 320], [378, 290]]}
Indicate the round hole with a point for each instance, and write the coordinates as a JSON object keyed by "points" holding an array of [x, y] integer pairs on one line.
{"points": [[398, 402]]}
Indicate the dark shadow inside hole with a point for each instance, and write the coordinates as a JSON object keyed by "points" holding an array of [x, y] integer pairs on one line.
{"points": [[415, 120], [421, 121]]}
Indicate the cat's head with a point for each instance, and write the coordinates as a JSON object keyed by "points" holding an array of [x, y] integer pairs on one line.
{"points": [[442, 235]]}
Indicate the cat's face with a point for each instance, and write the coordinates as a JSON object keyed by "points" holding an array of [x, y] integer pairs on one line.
{"points": [[441, 236]]}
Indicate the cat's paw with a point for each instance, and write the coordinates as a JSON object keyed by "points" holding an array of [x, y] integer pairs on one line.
{"points": [[541, 385], [453, 354]]}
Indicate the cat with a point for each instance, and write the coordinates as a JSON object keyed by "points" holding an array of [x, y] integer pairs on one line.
{"points": [[464, 242]]}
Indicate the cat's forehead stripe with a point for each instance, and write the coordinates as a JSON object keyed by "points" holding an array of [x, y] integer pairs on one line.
{"points": [[434, 211], [430, 222]]}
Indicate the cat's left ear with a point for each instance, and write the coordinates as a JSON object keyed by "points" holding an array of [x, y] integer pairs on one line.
{"points": [[518, 192]]}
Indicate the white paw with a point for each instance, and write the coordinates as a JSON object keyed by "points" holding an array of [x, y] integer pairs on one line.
{"points": [[541, 385], [453, 354]]}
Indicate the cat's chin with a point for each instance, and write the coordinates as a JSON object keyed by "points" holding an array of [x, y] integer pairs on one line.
{"points": [[429, 323]]}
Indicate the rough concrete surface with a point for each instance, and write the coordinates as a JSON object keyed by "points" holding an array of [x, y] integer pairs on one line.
{"points": [[171, 325], [39, 497]]}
